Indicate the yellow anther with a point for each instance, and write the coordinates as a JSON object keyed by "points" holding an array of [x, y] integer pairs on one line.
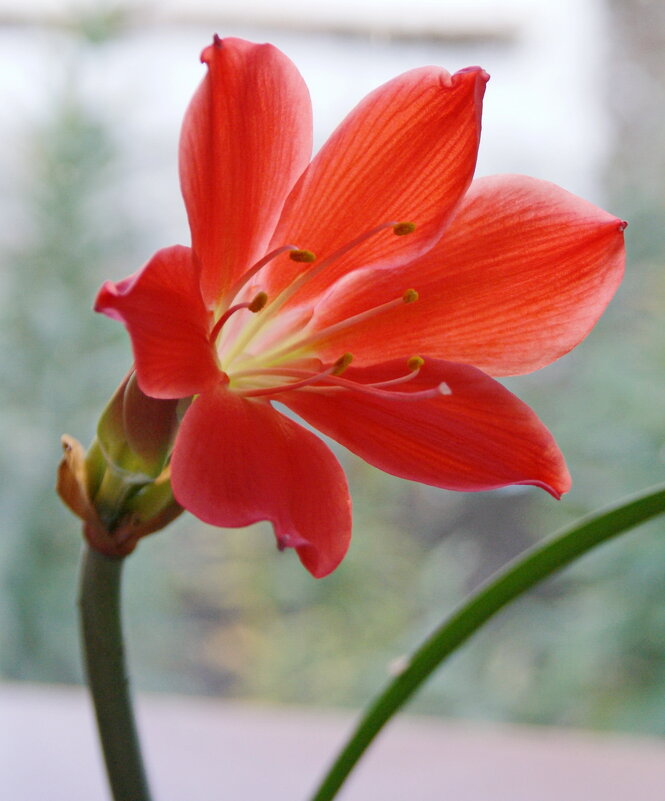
{"points": [[342, 363], [415, 362], [302, 255], [259, 302], [403, 228], [410, 296]]}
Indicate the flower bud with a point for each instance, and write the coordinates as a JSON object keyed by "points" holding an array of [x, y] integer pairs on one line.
{"points": [[135, 431], [121, 488]]}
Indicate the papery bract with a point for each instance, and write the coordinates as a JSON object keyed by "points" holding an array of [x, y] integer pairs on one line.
{"points": [[374, 291]]}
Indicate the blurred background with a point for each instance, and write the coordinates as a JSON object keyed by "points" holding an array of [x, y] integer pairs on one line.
{"points": [[91, 99]]}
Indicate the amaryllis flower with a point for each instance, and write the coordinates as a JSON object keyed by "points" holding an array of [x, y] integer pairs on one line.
{"points": [[373, 291]]}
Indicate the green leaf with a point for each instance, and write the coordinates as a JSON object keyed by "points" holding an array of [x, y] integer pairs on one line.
{"points": [[509, 583]]}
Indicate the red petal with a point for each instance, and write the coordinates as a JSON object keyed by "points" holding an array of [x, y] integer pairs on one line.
{"points": [[406, 153], [245, 140], [238, 461], [520, 277], [479, 437], [162, 308]]}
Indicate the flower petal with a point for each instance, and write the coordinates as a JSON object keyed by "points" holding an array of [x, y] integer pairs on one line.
{"points": [[521, 276], [162, 308], [406, 153], [237, 461], [245, 140], [476, 438]]}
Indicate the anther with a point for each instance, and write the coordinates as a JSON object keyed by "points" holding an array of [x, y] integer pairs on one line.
{"points": [[258, 303], [410, 296], [302, 256], [255, 305], [403, 228], [342, 363], [415, 362]]}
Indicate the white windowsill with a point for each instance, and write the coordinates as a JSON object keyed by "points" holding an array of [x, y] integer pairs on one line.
{"points": [[202, 749]]}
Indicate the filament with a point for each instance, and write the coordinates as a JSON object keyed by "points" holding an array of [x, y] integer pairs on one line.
{"points": [[249, 274], [254, 305], [410, 296], [307, 257], [328, 380]]}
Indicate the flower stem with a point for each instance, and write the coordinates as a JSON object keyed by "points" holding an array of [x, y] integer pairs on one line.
{"points": [[509, 583], [104, 658]]}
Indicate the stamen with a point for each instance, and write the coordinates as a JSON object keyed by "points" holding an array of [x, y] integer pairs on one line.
{"points": [[410, 296], [255, 305], [249, 274], [302, 255], [377, 391], [414, 364], [342, 363], [310, 378], [258, 303], [307, 257], [332, 382], [307, 276]]}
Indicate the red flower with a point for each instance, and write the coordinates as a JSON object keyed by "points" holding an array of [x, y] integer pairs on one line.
{"points": [[387, 340]]}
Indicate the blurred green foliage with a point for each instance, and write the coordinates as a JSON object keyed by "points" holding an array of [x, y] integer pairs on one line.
{"points": [[58, 369], [222, 612]]}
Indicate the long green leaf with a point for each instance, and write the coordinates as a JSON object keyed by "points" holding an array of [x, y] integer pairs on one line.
{"points": [[509, 583]]}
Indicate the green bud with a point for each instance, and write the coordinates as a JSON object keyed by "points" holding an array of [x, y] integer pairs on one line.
{"points": [[121, 488], [136, 432]]}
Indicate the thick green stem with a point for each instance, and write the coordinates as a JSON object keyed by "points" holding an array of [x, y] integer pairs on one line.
{"points": [[104, 658], [527, 570]]}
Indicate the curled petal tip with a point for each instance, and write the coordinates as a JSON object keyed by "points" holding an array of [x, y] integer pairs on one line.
{"points": [[106, 291], [559, 485], [206, 54], [285, 541], [622, 225], [106, 299], [555, 493], [480, 74], [476, 76]]}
